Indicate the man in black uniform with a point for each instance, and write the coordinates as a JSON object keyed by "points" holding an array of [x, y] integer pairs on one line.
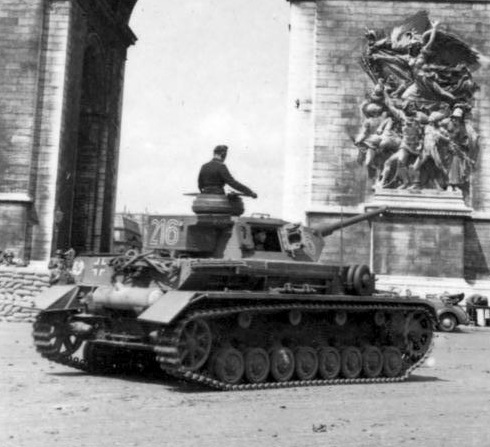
{"points": [[214, 175]]}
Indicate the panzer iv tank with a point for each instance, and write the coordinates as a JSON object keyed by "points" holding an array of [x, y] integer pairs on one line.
{"points": [[234, 302]]}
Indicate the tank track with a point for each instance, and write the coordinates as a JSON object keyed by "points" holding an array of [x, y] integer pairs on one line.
{"points": [[43, 341], [166, 348]]}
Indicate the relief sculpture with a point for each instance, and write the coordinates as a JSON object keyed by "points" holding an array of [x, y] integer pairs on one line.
{"points": [[417, 127]]}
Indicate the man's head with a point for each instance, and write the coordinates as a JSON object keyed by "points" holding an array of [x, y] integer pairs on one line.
{"points": [[220, 152], [59, 253], [409, 108]]}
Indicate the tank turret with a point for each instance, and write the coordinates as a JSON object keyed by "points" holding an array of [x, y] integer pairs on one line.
{"points": [[218, 231], [234, 302]]}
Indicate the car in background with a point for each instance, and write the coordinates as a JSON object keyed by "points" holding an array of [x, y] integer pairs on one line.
{"points": [[449, 313]]}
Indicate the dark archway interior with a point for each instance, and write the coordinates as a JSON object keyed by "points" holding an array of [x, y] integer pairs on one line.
{"points": [[88, 194]]}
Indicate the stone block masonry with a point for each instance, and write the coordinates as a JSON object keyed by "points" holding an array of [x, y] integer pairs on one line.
{"points": [[339, 31], [54, 54], [327, 86], [18, 288], [440, 242]]}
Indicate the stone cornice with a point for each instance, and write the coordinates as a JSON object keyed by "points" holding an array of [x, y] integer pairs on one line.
{"points": [[15, 197], [421, 202]]}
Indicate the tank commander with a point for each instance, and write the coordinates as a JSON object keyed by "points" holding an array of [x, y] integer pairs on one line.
{"points": [[214, 175]]}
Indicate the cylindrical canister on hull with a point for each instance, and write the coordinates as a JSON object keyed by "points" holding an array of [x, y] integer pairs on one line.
{"points": [[122, 297]]}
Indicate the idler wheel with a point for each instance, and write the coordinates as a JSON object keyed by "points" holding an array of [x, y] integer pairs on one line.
{"points": [[350, 278], [194, 344], [257, 365], [351, 362], [329, 362], [372, 361], [363, 283], [71, 343], [229, 365], [392, 361], [418, 334], [306, 363], [282, 364]]}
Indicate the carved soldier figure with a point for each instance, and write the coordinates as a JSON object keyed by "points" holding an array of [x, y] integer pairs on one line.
{"points": [[435, 140], [460, 161], [412, 131], [376, 139]]}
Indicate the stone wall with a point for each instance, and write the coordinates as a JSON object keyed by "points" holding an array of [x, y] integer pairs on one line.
{"points": [[341, 85], [46, 63], [21, 25], [327, 87], [18, 288]]}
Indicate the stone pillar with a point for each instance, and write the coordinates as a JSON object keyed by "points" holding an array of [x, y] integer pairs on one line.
{"points": [[299, 138], [21, 29], [55, 52]]}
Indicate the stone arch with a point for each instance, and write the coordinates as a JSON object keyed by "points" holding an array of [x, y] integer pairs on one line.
{"points": [[88, 197]]}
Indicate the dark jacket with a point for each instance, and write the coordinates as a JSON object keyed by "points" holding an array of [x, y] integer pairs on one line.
{"points": [[214, 175]]}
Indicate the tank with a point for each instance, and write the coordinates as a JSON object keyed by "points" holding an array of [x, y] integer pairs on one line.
{"points": [[234, 302]]}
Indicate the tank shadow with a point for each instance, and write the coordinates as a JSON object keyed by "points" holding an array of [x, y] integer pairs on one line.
{"points": [[418, 378], [181, 386]]}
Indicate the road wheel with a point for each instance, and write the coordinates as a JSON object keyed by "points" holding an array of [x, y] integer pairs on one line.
{"points": [[447, 322], [306, 362], [372, 361], [329, 363], [392, 361], [257, 365], [229, 365], [282, 364], [351, 362]]}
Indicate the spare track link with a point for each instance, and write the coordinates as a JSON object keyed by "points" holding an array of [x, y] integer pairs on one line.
{"points": [[167, 344]]}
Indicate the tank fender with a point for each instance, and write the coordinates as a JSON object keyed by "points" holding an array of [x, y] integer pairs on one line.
{"points": [[166, 308], [57, 297]]}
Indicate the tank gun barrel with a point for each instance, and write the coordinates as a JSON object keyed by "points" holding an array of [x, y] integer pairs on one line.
{"points": [[327, 229]]}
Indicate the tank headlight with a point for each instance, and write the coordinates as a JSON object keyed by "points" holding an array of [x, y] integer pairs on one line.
{"points": [[154, 296]]}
